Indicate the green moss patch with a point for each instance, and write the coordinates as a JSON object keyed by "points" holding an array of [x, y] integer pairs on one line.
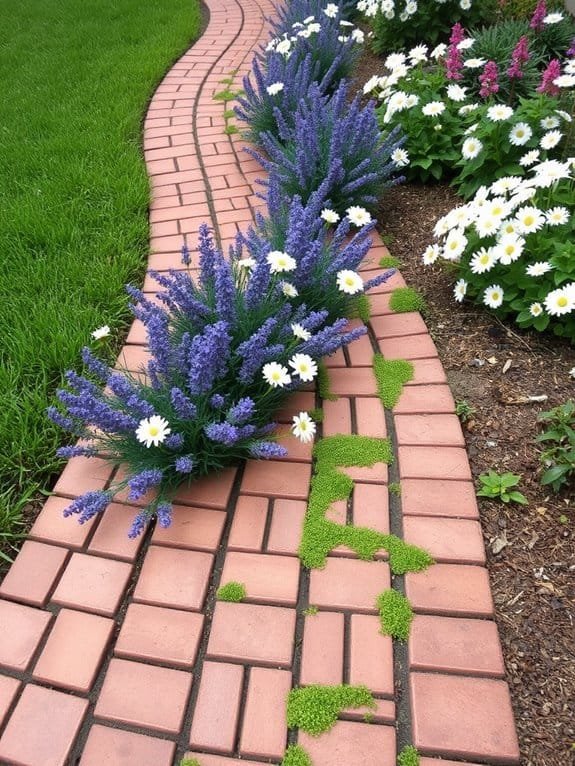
{"points": [[361, 308], [231, 591], [391, 375], [329, 485], [316, 415], [408, 756], [315, 709], [190, 762], [389, 262], [394, 488], [395, 614], [323, 384], [295, 755], [311, 611], [405, 299]]}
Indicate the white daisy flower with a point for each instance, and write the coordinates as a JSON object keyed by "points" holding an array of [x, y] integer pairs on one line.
{"points": [[289, 290], [557, 216], [520, 134], [465, 5], [493, 296], [300, 332], [565, 115], [539, 268], [483, 260], [536, 309], [101, 332], [371, 84], [412, 100], [358, 36], [498, 207], [309, 19], [561, 301], [499, 112], [441, 227], [431, 254], [509, 249], [460, 290], [569, 67], [303, 366], [530, 158], [274, 88], [153, 430], [471, 148], [474, 63], [398, 101], [508, 227], [471, 129], [358, 215], [394, 60], [455, 244], [505, 184], [529, 219], [466, 44], [550, 171], [486, 225], [564, 81], [276, 375], [553, 18], [417, 54], [280, 261], [550, 139], [439, 51], [303, 427], [246, 263], [283, 47], [467, 109], [400, 158], [456, 92], [330, 216], [331, 10], [349, 282], [572, 372], [433, 109], [548, 123]]}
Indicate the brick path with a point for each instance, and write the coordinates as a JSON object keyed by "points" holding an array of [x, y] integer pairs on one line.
{"points": [[116, 652]]}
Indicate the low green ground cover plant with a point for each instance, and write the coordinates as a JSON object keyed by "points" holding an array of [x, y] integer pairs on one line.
{"points": [[405, 299], [295, 755], [76, 78], [500, 486], [408, 756], [558, 440], [395, 614], [315, 709], [231, 591]]}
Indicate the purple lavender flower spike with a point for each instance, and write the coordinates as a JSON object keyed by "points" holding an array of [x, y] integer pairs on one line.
{"points": [[242, 411], [174, 441], [138, 525], [184, 464], [142, 482], [88, 505], [185, 409], [164, 515], [267, 450]]}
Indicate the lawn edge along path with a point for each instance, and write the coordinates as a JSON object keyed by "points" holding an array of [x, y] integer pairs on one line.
{"points": [[117, 651]]}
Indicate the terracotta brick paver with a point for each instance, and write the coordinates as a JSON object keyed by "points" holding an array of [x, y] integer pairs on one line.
{"points": [[116, 651]]}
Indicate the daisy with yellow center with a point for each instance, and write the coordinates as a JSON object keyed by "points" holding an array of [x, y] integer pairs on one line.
{"points": [[280, 261], [561, 301], [276, 375], [303, 427], [153, 430], [349, 282], [304, 367]]}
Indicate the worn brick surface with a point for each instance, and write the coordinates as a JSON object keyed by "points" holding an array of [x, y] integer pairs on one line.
{"points": [[355, 744], [125, 748]]}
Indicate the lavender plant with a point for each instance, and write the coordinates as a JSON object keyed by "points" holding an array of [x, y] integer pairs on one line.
{"points": [[335, 145], [225, 352]]}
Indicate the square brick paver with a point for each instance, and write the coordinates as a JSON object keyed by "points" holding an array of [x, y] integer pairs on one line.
{"points": [[175, 578], [74, 650], [125, 748], [34, 572], [273, 579], [51, 526], [42, 728], [253, 633], [127, 696], [463, 717], [8, 689], [93, 584], [83, 474], [162, 635], [111, 535], [349, 584], [21, 632], [352, 744]]}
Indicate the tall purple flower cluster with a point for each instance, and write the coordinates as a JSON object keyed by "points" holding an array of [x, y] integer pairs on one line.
{"points": [[335, 145], [489, 80], [519, 57], [547, 85], [454, 60], [539, 14]]}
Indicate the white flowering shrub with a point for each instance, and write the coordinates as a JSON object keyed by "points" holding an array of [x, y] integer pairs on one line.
{"points": [[514, 244], [397, 24]]}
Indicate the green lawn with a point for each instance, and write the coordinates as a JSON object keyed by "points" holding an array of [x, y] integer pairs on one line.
{"points": [[75, 78]]}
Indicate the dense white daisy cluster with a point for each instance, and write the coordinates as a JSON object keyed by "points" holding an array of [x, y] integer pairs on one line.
{"points": [[404, 10], [498, 238], [311, 26]]}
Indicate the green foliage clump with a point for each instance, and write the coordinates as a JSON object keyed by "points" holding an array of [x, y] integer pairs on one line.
{"points": [[391, 375], [315, 709], [408, 756], [295, 755], [464, 410], [405, 299], [316, 414], [323, 384], [389, 262], [190, 762], [329, 485], [500, 487], [231, 591], [395, 614], [558, 457], [311, 611], [361, 308], [395, 488]]}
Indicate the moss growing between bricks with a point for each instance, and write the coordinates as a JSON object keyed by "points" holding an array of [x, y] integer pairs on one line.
{"points": [[395, 614], [231, 591], [329, 485], [406, 299], [316, 414], [311, 611], [190, 762], [395, 488], [389, 262], [361, 308], [408, 756], [323, 384], [391, 375], [314, 709], [295, 755]]}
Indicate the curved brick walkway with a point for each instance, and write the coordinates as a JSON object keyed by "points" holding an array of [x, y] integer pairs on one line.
{"points": [[115, 651]]}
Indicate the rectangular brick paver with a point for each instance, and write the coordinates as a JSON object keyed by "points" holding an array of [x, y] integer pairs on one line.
{"points": [[286, 526], [352, 744], [348, 584], [248, 525], [175, 578], [322, 650], [370, 655], [217, 707], [8, 690], [22, 630], [272, 579], [266, 702], [125, 748], [450, 589], [429, 497], [288, 480], [93, 584], [199, 528]]}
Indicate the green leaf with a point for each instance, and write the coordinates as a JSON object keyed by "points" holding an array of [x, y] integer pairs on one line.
{"points": [[556, 473], [518, 497]]}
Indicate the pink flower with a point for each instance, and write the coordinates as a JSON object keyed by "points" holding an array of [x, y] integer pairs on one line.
{"points": [[454, 63], [519, 57], [551, 73], [489, 80], [539, 14]]}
